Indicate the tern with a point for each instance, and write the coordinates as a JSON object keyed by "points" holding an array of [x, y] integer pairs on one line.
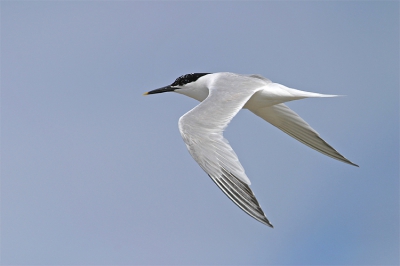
{"points": [[222, 96]]}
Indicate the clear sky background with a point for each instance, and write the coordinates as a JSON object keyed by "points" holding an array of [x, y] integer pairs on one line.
{"points": [[92, 172]]}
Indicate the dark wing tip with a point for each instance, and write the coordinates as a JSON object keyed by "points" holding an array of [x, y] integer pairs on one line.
{"points": [[354, 164], [241, 194]]}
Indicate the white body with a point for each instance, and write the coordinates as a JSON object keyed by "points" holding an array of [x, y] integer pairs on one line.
{"points": [[223, 95], [266, 95]]}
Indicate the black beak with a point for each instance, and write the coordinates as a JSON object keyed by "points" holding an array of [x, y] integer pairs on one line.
{"points": [[160, 90]]}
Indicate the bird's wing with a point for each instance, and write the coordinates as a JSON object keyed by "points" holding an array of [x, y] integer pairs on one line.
{"points": [[202, 130], [291, 123], [257, 76]]}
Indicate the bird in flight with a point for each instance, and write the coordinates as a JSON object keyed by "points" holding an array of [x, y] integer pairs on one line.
{"points": [[222, 95]]}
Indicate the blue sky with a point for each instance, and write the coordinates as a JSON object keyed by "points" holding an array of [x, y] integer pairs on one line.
{"points": [[95, 173]]}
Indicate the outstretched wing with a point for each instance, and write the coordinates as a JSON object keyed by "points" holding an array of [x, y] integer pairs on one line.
{"points": [[202, 130], [291, 123]]}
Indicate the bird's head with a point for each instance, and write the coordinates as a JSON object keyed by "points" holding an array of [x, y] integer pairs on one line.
{"points": [[190, 85]]}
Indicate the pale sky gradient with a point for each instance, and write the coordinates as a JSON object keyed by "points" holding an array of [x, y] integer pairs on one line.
{"points": [[93, 173]]}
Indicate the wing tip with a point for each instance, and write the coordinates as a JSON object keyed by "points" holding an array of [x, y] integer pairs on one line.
{"points": [[268, 224], [345, 160], [231, 185]]}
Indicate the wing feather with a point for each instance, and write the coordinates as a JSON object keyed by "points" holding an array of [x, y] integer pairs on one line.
{"points": [[202, 131], [291, 123], [241, 194]]}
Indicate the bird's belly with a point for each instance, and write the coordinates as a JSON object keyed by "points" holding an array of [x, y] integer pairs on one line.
{"points": [[265, 98]]}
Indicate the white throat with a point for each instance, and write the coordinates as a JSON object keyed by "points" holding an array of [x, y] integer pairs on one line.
{"points": [[197, 90]]}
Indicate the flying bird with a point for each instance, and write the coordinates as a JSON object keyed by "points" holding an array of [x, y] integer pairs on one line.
{"points": [[222, 96]]}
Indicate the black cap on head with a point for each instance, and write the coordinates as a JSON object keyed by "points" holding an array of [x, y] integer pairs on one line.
{"points": [[188, 78]]}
